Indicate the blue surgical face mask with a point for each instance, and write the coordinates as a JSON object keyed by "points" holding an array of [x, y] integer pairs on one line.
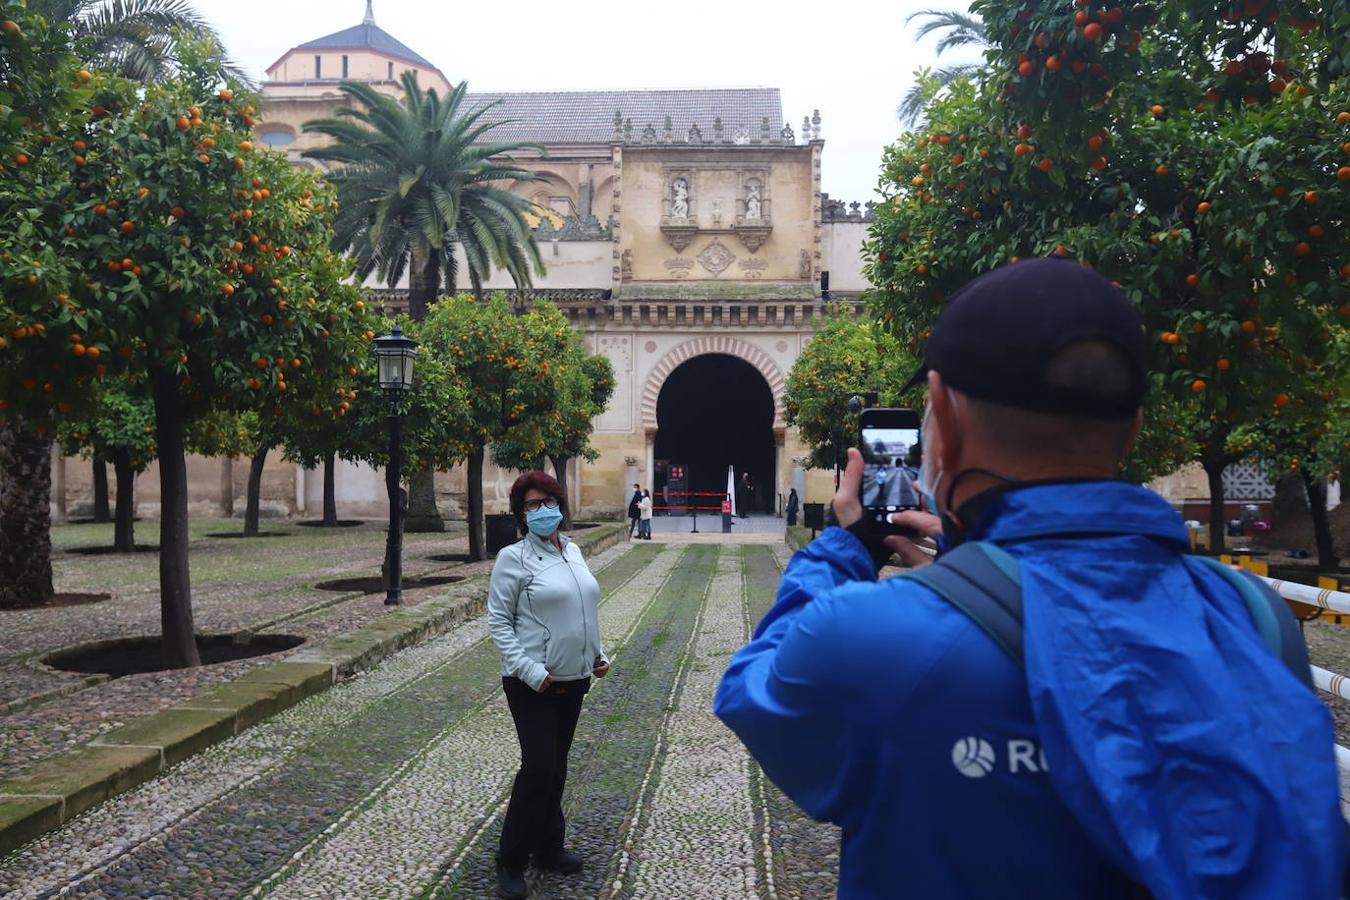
{"points": [[544, 521]]}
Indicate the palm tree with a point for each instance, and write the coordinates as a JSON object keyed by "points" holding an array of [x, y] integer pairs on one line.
{"points": [[416, 178], [140, 39], [962, 30], [413, 180]]}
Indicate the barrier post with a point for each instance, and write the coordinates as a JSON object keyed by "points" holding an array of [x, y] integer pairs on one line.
{"points": [[694, 510]]}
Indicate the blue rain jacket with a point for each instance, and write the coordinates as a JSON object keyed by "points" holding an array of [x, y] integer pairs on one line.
{"points": [[1153, 736]]}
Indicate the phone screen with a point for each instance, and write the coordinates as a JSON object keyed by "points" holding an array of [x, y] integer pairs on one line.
{"points": [[892, 457]]}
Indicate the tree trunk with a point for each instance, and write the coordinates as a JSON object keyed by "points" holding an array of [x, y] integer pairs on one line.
{"points": [[227, 487], [124, 531], [477, 546], [175, 583], [25, 515], [560, 473], [255, 471], [330, 518], [1317, 504], [1218, 527], [424, 283], [423, 516], [102, 512]]}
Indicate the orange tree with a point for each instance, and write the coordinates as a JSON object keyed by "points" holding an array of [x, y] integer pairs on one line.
{"points": [[117, 427], [847, 358], [44, 102], [187, 265], [1163, 142], [502, 365], [580, 387]]}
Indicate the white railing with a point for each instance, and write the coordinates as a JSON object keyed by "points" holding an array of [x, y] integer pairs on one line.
{"points": [[1326, 598]]}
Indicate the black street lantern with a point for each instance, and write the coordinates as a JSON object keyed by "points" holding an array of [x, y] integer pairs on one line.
{"points": [[394, 356], [395, 353]]}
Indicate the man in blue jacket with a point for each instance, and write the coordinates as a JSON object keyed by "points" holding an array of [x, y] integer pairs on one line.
{"points": [[1153, 742]]}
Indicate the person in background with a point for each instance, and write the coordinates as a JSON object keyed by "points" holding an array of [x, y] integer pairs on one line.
{"points": [[634, 510], [543, 614], [645, 516], [792, 505]]}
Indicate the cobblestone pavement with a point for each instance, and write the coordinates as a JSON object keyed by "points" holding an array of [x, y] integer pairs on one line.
{"points": [[393, 784], [44, 712]]}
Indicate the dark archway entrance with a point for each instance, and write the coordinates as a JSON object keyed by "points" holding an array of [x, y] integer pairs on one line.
{"points": [[715, 411]]}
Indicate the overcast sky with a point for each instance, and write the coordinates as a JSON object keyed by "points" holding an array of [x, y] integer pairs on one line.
{"points": [[851, 59]]}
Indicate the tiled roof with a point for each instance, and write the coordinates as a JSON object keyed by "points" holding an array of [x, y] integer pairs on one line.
{"points": [[587, 117], [368, 36]]}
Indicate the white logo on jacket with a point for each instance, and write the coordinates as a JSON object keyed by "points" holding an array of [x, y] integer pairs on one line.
{"points": [[975, 758]]}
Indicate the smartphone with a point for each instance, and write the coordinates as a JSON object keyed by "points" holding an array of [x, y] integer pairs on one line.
{"points": [[892, 452]]}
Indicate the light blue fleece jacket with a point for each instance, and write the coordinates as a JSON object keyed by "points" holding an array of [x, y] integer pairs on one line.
{"points": [[543, 612]]}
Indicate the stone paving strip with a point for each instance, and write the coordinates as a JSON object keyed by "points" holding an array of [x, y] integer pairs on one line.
{"points": [[802, 855], [615, 747], [414, 824], [117, 827], [443, 693], [698, 839]]}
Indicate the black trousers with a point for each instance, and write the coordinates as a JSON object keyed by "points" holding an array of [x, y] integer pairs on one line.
{"points": [[545, 725]]}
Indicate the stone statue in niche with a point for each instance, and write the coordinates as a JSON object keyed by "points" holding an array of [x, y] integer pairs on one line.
{"points": [[753, 203], [679, 204], [717, 213]]}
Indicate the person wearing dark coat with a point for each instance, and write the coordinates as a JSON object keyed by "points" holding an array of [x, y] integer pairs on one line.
{"points": [[792, 505], [634, 510]]}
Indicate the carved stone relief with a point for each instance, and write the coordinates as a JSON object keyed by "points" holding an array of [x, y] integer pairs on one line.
{"points": [[806, 271], [679, 267], [716, 257], [626, 266], [753, 267]]}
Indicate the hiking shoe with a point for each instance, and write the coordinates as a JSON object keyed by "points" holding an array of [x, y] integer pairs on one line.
{"points": [[564, 862], [511, 883]]}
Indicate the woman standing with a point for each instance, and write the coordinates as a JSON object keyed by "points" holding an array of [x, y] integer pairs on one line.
{"points": [[792, 505], [645, 516], [543, 606]]}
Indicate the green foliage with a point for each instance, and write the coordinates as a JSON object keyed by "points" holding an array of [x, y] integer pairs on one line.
{"points": [[121, 419], [415, 178], [1162, 144], [847, 358], [152, 236]]}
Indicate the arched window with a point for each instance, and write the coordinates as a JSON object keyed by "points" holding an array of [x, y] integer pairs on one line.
{"points": [[277, 137]]}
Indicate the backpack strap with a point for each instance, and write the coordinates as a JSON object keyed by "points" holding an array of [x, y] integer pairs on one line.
{"points": [[982, 581], [1271, 615]]}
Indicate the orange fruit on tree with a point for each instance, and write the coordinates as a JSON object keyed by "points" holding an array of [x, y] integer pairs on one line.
{"points": [[1157, 109], [1316, 231], [128, 227], [178, 212], [1045, 165], [1302, 248], [245, 147], [227, 95], [80, 161], [1162, 170], [183, 123], [1192, 279], [1095, 142], [92, 353], [1249, 326], [1343, 173], [1052, 64], [9, 26], [1224, 365], [1198, 328], [1026, 69], [1281, 399], [1203, 208], [1092, 32], [227, 290], [1198, 386], [1343, 117], [1098, 164], [1312, 197]]}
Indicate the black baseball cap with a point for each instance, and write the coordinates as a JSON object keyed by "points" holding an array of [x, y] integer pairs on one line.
{"points": [[999, 333]]}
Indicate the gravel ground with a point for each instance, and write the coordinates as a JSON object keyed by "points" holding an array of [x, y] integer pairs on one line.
{"points": [[274, 584]]}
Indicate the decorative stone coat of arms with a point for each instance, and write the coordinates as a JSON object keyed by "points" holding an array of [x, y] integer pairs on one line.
{"points": [[716, 257]]}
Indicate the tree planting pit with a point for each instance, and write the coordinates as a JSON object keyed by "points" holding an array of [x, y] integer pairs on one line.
{"points": [[340, 523], [134, 656], [60, 600], [375, 584], [112, 551], [227, 535], [450, 558]]}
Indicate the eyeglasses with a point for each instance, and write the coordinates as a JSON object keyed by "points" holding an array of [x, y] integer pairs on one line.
{"points": [[547, 502]]}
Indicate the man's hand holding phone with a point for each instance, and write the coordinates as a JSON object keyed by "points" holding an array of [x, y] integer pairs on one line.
{"points": [[848, 512]]}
